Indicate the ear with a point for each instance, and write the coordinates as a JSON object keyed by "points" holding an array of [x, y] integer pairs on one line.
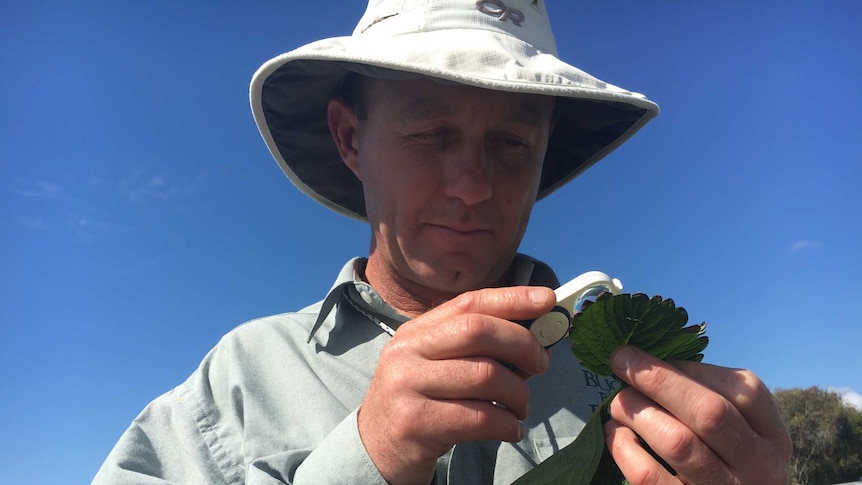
{"points": [[344, 126]]}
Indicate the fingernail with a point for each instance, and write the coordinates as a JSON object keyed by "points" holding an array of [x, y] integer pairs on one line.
{"points": [[546, 358], [606, 413], [521, 431], [539, 296], [624, 358]]}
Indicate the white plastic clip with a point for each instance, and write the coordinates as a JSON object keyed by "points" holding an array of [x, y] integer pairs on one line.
{"points": [[553, 326]]}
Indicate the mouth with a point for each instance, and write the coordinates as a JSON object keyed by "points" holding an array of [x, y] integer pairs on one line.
{"points": [[456, 230]]}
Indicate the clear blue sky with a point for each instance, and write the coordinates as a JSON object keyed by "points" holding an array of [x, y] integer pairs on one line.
{"points": [[142, 217]]}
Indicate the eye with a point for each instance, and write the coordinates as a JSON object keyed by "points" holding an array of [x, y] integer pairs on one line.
{"points": [[514, 142], [431, 136], [423, 136], [511, 143]]}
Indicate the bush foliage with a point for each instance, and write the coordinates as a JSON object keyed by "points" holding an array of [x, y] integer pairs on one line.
{"points": [[826, 434]]}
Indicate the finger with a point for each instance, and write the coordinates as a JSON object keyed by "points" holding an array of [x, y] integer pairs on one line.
{"points": [[455, 328], [426, 428], [708, 414], [527, 375], [460, 421], [670, 439], [510, 303], [474, 334], [744, 390], [476, 378], [637, 465]]}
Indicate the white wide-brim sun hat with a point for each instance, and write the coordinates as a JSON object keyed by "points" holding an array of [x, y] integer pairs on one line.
{"points": [[503, 45]]}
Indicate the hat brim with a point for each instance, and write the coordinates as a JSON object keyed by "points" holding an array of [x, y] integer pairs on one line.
{"points": [[289, 95]]}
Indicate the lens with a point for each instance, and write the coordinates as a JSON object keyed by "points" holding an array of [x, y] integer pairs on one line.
{"points": [[590, 294]]}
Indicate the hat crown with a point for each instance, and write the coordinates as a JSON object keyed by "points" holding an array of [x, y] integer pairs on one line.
{"points": [[526, 20]]}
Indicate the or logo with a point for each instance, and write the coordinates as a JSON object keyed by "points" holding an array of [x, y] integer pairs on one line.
{"points": [[500, 10]]}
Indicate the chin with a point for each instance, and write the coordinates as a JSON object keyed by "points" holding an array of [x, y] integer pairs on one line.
{"points": [[458, 279]]}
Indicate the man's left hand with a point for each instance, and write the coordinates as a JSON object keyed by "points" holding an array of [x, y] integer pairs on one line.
{"points": [[710, 424]]}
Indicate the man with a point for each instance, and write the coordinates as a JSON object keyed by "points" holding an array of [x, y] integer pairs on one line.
{"points": [[440, 123]]}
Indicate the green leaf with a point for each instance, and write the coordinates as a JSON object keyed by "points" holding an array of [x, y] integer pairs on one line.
{"points": [[652, 324], [575, 463]]}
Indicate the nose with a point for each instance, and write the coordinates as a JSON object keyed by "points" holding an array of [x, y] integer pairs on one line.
{"points": [[466, 174]]}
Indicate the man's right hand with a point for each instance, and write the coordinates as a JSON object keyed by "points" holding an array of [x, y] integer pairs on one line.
{"points": [[438, 379]]}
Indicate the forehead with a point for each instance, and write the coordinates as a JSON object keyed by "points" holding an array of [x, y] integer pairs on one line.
{"points": [[421, 99]]}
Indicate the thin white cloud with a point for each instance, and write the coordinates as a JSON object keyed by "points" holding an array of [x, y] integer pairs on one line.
{"points": [[802, 245], [42, 189], [140, 187], [849, 396], [89, 226], [34, 223], [88, 207], [49, 188]]}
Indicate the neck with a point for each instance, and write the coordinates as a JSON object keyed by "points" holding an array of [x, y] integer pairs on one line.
{"points": [[409, 297]]}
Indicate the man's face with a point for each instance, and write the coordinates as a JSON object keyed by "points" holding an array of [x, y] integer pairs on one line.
{"points": [[450, 175]]}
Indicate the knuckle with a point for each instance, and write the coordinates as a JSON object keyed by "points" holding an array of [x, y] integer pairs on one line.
{"points": [[505, 299], [637, 472], [481, 372], [646, 476], [679, 443], [471, 326], [620, 404], [713, 414], [642, 474], [509, 298], [748, 388], [467, 302], [393, 351], [398, 377], [652, 378]]}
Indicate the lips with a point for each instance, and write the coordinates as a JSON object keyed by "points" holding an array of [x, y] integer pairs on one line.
{"points": [[458, 229]]}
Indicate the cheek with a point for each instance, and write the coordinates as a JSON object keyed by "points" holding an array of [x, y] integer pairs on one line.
{"points": [[521, 190], [397, 196], [515, 210], [518, 200]]}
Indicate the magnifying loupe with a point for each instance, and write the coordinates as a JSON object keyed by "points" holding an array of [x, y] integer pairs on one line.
{"points": [[553, 326]]}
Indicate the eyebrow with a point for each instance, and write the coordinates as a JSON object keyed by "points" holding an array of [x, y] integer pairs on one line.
{"points": [[425, 109], [528, 113], [430, 108]]}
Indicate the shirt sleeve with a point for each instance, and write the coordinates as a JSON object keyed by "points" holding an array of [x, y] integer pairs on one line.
{"points": [[163, 445], [202, 432], [341, 458]]}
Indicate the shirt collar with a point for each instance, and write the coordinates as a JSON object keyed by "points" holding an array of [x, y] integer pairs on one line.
{"points": [[349, 284]]}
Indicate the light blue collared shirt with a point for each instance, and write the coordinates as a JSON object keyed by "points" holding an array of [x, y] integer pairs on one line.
{"points": [[276, 400]]}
